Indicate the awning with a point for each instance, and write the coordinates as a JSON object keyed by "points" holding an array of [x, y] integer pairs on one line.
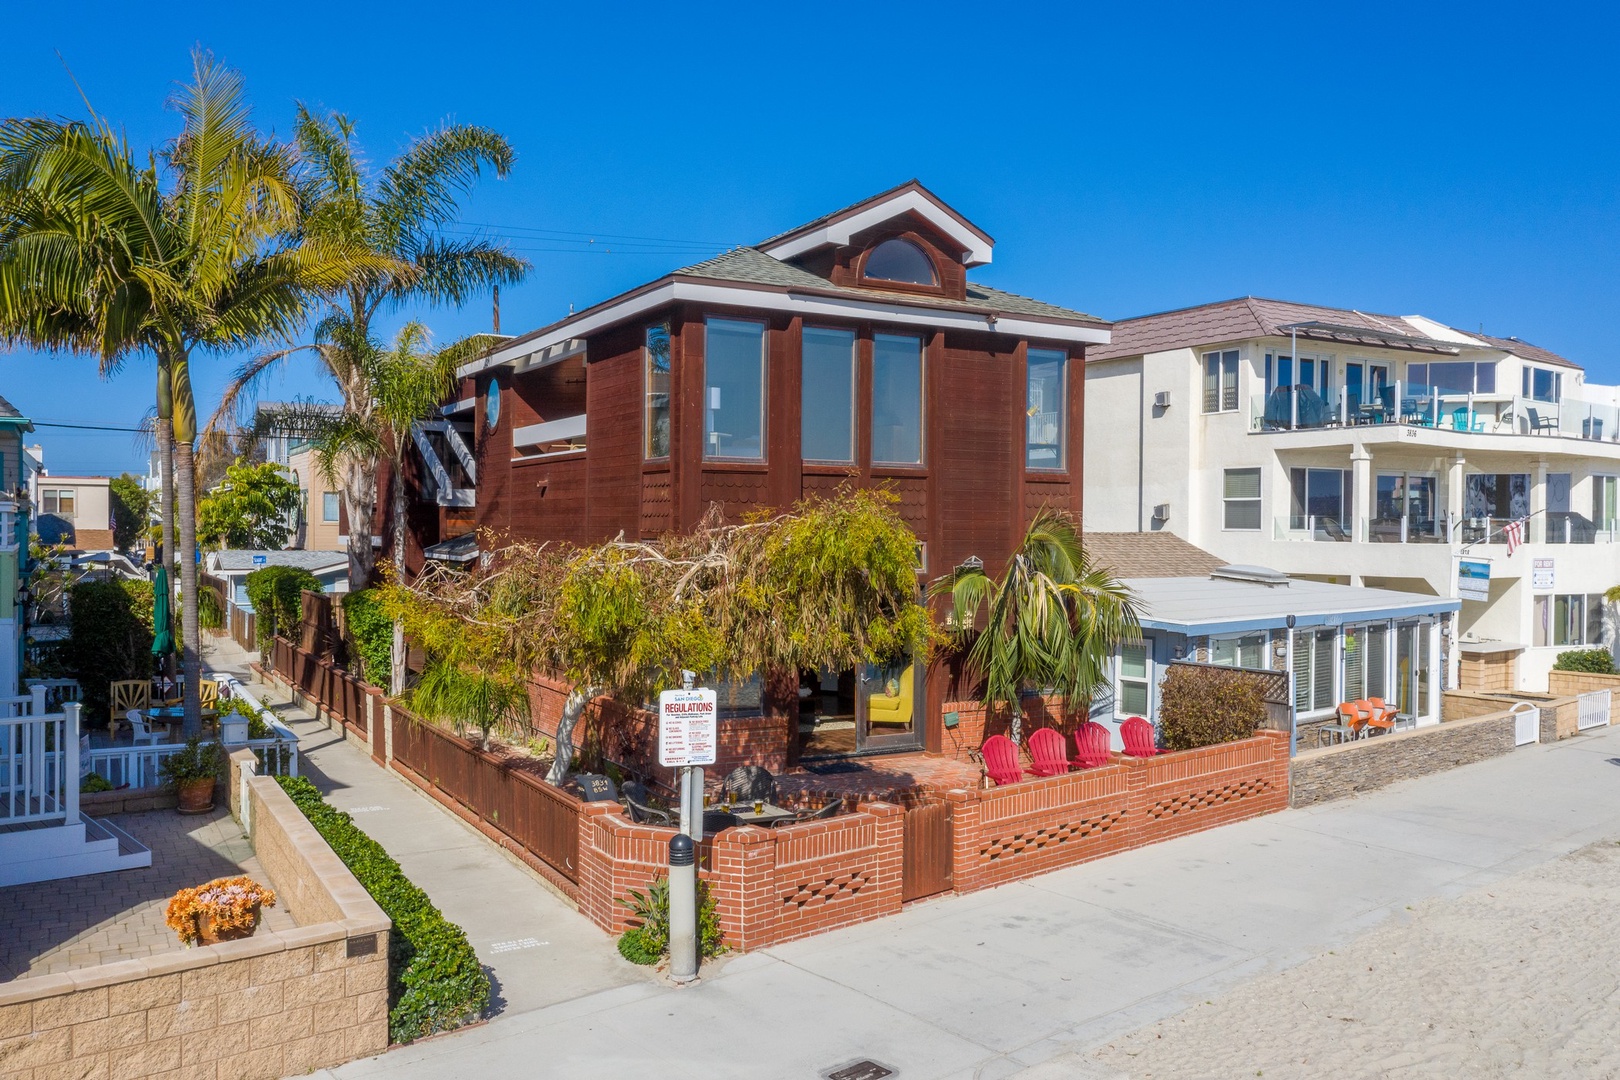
{"points": [[460, 549]]}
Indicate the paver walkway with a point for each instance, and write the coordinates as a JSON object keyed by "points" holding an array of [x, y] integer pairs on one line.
{"points": [[538, 949], [1033, 976], [54, 926]]}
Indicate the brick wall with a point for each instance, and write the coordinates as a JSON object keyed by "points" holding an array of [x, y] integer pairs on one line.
{"points": [[1579, 682], [1488, 671], [271, 1005], [1034, 827], [1367, 764], [973, 726]]}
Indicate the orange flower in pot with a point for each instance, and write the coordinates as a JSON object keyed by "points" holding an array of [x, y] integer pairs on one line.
{"points": [[225, 909], [191, 773]]}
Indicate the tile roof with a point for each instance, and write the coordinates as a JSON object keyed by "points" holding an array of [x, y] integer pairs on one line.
{"points": [[1149, 555], [242, 559], [93, 539], [1526, 351], [752, 266], [913, 184]]}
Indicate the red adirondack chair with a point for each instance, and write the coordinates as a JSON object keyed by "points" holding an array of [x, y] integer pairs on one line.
{"points": [[1090, 745], [1138, 736], [1046, 747], [1001, 760]]}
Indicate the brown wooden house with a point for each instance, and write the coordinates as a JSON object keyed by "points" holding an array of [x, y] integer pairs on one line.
{"points": [[850, 349]]}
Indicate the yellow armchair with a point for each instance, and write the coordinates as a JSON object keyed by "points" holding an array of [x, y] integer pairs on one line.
{"points": [[883, 709]]}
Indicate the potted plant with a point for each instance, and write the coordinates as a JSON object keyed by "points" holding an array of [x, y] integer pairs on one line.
{"points": [[191, 772], [225, 909]]}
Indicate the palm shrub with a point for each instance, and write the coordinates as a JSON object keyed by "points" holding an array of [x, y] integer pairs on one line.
{"points": [[277, 596], [647, 940], [1202, 706], [468, 696], [1052, 620], [1591, 661]]}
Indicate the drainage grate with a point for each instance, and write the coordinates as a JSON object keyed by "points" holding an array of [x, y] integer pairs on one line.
{"points": [[861, 1070]]}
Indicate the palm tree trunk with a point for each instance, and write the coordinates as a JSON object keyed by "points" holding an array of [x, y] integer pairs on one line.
{"points": [[396, 672], [165, 444], [191, 655], [360, 502]]}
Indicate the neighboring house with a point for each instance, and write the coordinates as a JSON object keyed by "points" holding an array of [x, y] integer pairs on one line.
{"points": [[231, 567], [322, 522], [851, 350], [1340, 643], [14, 515], [1369, 450], [83, 502]]}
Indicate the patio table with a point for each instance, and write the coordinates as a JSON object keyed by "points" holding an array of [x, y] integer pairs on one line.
{"points": [[1341, 732], [769, 816]]}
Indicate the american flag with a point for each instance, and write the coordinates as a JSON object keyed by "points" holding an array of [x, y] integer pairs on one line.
{"points": [[1513, 533]]}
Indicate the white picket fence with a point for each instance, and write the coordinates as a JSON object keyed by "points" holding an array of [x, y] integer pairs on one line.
{"points": [[1593, 709], [1526, 724], [39, 761]]}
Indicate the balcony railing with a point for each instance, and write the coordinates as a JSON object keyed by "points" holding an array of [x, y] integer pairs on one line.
{"points": [[1300, 408]]}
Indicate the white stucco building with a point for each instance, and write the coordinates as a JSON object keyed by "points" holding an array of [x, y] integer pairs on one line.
{"points": [[1368, 450]]}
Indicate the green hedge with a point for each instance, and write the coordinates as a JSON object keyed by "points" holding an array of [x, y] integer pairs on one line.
{"points": [[111, 639], [435, 982], [1591, 661], [373, 635], [277, 596]]}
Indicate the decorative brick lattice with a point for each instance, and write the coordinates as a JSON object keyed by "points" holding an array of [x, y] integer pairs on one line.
{"points": [[1049, 836], [1190, 801], [825, 891]]}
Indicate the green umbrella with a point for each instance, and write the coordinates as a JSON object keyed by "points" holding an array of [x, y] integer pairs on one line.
{"points": [[163, 631]]}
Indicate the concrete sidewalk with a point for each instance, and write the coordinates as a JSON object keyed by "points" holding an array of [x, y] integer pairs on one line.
{"points": [[993, 984], [538, 949]]}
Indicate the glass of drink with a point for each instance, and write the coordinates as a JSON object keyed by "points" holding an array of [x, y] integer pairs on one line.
{"points": [[759, 806]]}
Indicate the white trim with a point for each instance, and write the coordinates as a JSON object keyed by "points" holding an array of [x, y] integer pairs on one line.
{"points": [[461, 406], [568, 427], [839, 231], [814, 307]]}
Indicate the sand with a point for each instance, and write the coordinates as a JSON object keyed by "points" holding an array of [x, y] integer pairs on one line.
{"points": [[1521, 978]]}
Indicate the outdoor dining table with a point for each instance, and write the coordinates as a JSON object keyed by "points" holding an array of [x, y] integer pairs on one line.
{"points": [[770, 815]]}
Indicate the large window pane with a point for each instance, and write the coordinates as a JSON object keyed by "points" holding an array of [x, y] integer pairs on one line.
{"points": [[896, 399], [734, 389], [1045, 407], [657, 379], [827, 419], [1241, 494]]}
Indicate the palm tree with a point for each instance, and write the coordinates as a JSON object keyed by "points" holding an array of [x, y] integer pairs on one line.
{"points": [[402, 385], [1052, 620], [189, 253], [398, 215]]}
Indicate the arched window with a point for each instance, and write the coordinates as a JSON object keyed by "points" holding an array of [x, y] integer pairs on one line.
{"points": [[900, 260]]}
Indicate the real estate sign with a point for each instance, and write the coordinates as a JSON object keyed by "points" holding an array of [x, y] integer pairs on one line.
{"points": [[1542, 576], [1473, 579], [686, 727]]}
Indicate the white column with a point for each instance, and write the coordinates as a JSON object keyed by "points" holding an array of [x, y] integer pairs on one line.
{"points": [[1361, 486], [70, 755], [1456, 486], [1537, 530]]}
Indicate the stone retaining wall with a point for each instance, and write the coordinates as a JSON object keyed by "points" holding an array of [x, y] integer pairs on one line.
{"points": [[1580, 682], [272, 1005], [1334, 772]]}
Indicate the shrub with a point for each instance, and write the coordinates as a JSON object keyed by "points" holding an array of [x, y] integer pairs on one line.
{"points": [[373, 634], [1202, 706], [277, 596], [210, 608], [648, 940], [435, 982], [111, 638], [197, 760], [94, 782], [1591, 661]]}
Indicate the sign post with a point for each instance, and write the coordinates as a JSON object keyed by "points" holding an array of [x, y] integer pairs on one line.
{"points": [[687, 735]]}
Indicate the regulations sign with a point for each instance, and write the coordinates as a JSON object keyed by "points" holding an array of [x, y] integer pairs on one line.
{"points": [[686, 727], [1473, 579]]}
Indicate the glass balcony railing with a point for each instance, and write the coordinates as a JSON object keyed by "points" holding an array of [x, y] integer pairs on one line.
{"points": [[1303, 408], [1329, 529], [1408, 530]]}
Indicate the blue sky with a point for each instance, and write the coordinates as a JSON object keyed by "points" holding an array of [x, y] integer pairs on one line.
{"points": [[1457, 161]]}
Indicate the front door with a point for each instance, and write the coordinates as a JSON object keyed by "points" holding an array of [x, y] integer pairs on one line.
{"points": [[889, 706]]}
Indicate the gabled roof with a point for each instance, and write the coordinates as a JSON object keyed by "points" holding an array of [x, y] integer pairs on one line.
{"points": [[8, 412], [1251, 316], [756, 267], [836, 228], [1526, 351], [238, 559], [1148, 555]]}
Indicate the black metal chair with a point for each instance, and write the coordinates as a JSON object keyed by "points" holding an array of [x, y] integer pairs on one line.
{"points": [[832, 809], [747, 783], [718, 820], [639, 803]]}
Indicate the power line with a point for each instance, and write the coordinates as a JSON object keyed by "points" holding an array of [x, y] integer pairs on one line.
{"points": [[88, 427], [611, 236]]}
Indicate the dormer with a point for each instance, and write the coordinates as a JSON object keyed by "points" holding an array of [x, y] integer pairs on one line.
{"points": [[904, 240]]}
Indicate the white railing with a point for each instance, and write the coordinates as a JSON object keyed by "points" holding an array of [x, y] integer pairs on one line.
{"points": [[58, 692], [39, 762], [1592, 710]]}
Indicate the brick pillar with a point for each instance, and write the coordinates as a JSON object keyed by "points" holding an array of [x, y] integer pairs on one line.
{"points": [[891, 846], [596, 895], [967, 810], [744, 882]]}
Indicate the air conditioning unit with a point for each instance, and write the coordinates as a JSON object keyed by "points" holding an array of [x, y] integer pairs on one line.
{"points": [[1161, 399], [1161, 512]]}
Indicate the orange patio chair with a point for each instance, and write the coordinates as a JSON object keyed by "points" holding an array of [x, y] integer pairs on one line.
{"points": [[1354, 715], [1380, 715]]}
